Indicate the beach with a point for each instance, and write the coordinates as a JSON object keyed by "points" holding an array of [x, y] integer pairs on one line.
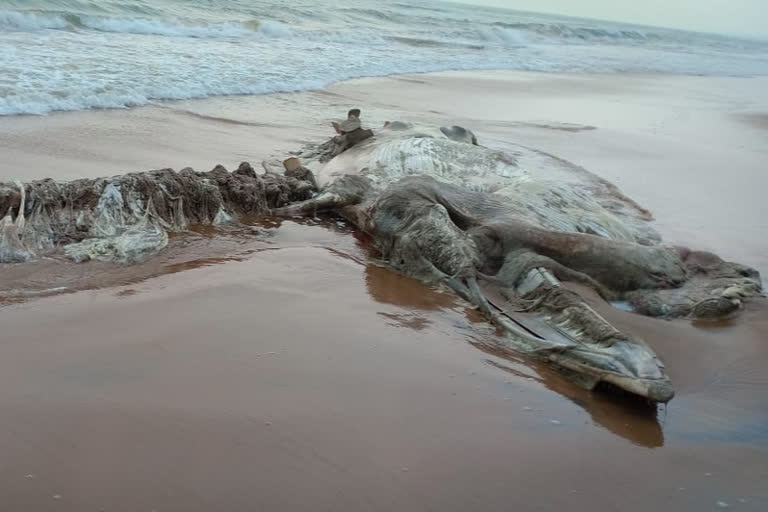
{"points": [[283, 368]]}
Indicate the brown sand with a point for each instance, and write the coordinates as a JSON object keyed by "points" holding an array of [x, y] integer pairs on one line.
{"points": [[276, 370]]}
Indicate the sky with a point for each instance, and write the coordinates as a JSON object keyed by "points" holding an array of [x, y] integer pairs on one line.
{"points": [[736, 17]]}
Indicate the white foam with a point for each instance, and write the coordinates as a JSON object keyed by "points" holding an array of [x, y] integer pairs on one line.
{"points": [[275, 29], [507, 36]]}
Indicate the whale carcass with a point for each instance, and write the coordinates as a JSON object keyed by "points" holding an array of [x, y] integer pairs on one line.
{"points": [[503, 229]]}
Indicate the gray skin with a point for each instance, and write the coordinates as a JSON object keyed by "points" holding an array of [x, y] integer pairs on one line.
{"points": [[481, 242]]}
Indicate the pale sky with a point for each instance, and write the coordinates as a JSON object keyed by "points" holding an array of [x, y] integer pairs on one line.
{"points": [[737, 17]]}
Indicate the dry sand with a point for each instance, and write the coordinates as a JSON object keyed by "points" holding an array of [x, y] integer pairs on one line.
{"points": [[243, 371]]}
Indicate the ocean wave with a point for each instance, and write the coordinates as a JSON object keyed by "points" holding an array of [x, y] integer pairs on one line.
{"points": [[505, 36], [167, 28], [616, 34], [46, 102], [575, 32], [375, 14], [265, 28], [275, 29], [412, 7], [434, 43], [20, 21], [30, 21]]}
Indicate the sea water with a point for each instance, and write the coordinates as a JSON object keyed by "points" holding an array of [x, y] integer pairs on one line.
{"points": [[80, 54]]}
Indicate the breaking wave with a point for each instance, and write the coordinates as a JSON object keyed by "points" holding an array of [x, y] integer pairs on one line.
{"points": [[169, 28], [507, 36], [29, 22], [570, 32]]}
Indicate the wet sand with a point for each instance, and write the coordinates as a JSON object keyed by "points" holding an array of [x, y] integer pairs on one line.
{"points": [[277, 368]]}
